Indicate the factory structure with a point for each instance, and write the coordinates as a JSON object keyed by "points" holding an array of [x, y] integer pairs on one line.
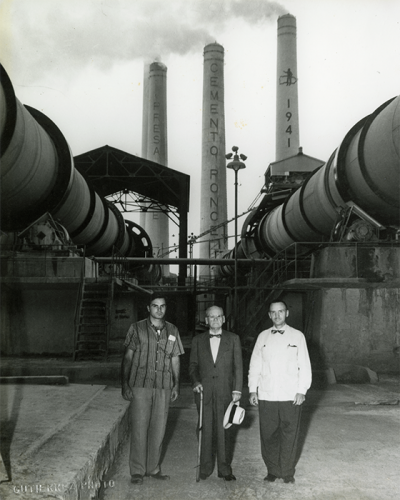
{"points": [[76, 271]]}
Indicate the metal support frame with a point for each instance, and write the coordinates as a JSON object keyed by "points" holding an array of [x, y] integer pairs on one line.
{"points": [[132, 181]]}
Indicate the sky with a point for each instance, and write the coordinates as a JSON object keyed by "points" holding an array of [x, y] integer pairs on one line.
{"points": [[81, 63]]}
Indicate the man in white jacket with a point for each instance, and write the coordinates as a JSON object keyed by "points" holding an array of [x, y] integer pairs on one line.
{"points": [[279, 377]]}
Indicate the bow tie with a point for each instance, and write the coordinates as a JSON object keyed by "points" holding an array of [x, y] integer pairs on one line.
{"points": [[215, 336], [278, 331]]}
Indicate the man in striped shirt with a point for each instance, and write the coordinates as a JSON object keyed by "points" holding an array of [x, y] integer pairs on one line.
{"points": [[150, 380]]}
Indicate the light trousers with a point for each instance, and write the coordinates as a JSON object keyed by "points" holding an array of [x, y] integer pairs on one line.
{"points": [[148, 413]]}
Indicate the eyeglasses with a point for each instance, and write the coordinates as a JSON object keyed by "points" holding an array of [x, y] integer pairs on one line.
{"points": [[214, 317]]}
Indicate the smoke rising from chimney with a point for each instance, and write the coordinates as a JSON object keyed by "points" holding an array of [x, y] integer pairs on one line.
{"points": [[104, 33]]}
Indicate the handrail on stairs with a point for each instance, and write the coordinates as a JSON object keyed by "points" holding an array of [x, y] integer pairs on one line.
{"points": [[271, 276], [78, 305]]}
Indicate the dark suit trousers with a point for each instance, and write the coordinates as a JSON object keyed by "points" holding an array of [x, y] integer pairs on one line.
{"points": [[279, 430], [216, 442]]}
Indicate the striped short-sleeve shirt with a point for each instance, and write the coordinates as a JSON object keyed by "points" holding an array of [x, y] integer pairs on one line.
{"points": [[151, 364]]}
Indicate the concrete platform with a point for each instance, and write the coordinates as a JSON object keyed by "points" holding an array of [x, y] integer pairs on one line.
{"points": [[57, 440], [61, 442], [350, 450]]}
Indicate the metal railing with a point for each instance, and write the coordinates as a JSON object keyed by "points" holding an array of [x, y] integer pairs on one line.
{"points": [[46, 262], [78, 305], [293, 263]]}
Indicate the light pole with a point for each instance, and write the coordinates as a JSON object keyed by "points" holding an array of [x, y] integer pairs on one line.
{"points": [[191, 240], [236, 165]]}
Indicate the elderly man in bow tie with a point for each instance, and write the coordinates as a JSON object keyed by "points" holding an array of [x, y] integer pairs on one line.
{"points": [[279, 377], [216, 369]]}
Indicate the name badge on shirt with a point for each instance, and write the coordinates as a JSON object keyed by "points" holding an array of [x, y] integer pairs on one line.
{"points": [[172, 338]]}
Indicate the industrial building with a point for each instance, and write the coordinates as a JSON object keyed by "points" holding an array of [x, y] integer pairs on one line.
{"points": [[76, 271], [324, 235]]}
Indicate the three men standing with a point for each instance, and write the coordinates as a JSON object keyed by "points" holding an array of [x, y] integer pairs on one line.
{"points": [[279, 377], [216, 369], [150, 380]]}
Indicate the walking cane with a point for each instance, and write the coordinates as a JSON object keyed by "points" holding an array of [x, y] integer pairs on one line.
{"points": [[200, 433]]}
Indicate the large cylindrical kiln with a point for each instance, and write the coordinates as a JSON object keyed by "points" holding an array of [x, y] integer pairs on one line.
{"points": [[364, 171], [38, 176]]}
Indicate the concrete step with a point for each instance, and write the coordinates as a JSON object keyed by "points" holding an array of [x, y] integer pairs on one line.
{"points": [[78, 372], [61, 440], [38, 380]]}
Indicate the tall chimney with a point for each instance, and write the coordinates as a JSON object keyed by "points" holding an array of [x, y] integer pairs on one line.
{"points": [[287, 103], [145, 113], [155, 148], [213, 166]]}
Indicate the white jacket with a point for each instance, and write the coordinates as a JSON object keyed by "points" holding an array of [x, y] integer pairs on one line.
{"points": [[280, 365]]}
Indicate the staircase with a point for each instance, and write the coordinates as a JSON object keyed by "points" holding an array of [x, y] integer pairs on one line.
{"points": [[266, 286], [92, 325], [253, 303]]}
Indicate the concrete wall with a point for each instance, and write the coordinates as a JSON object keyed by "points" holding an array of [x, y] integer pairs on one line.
{"points": [[38, 320], [359, 326], [374, 264], [124, 313], [41, 321], [38, 301]]}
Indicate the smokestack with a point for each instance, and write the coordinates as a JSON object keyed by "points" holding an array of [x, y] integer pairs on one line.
{"points": [[213, 167], [155, 148], [145, 113], [287, 103]]}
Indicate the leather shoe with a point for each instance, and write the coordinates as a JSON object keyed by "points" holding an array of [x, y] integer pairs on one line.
{"points": [[137, 479], [288, 479], [158, 475], [270, 478], [203, 476], [228, 477]]}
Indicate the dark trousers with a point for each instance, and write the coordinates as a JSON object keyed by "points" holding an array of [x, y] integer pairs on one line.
{"points": [[216, 442], [148, 414], [279, 430]]}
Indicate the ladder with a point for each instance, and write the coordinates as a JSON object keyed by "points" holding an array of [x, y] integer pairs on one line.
{"points": [[92, 326]]}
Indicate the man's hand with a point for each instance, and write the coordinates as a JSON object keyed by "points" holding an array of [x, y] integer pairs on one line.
{"points": [[125, 372], [127, 392], [253, 399], [198, 387], [236, 395], [299, 399], [174, 393]]}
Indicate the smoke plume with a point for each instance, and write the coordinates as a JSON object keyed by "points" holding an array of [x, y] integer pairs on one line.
{"points": [[45, 34]]}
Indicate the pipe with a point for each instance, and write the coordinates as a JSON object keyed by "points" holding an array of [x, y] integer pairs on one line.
{"points": [[194, 262], [38, 176]]}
